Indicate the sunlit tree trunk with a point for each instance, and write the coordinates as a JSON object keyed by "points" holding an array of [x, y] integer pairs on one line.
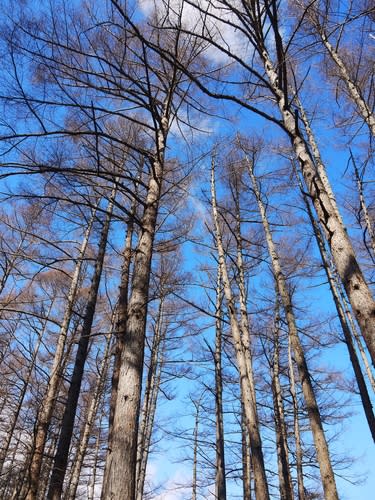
{"points": [[246, 457], [297, 431], [246, 381], [369, 226], [122, 308], [365, 398], [321, 446], [341, 248], [122, 456], [285, 478], [150, 398], [353, 89]]}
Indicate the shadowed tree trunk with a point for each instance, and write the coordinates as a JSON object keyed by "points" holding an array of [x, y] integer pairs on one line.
{"points": [[66, 432], [220, 482], [48, 404], [90, 417]]}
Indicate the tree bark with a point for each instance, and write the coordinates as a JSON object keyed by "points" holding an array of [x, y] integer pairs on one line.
{"points": [[353, 89], [297, 432], [340, 245], [285, 478], [220, 482], [49, 399], [247, 385], [90, 418], [326, 471], [365, 398], [122, 457], [66, 431], [10, 431], [150, 398]]}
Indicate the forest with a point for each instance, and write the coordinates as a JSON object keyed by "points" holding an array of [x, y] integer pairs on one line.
{"points": [[187, 249]]}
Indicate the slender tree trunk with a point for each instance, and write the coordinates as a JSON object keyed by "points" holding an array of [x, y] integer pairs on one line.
{"points": [[326, 471], [66, 432], [10, 431], [247, 385], [353, 89], [220, 482], [92, 483], [285, 478], [357, 337], [150, 398], [369, 227], [195, 451], [90, 419], [122, 456], [297, 432], [318, 159], [49, 399], [246, 457]]}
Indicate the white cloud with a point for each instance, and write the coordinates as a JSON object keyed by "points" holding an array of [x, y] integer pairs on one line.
{"points": [[195, 20], [175, 487]]}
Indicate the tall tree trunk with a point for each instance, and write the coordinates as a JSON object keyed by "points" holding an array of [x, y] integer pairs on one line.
{"points": [[369, 227], [66, 432], [353, 89], [341, 248], [365, 398], [318, 159], [285, 478], [357, 337], [150, 398], [122, 311], [297, 432], [326, 471], [220, 482], [122, 456], [92, 483], [246, 457], [247, 384], [90, 418], [48, 404], [195, 450], [26, 382]]}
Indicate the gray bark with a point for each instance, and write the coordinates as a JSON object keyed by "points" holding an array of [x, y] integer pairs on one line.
{"points": [[48, 404], [321, 446], [66, 431], [122, 456], [243, 362]]}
